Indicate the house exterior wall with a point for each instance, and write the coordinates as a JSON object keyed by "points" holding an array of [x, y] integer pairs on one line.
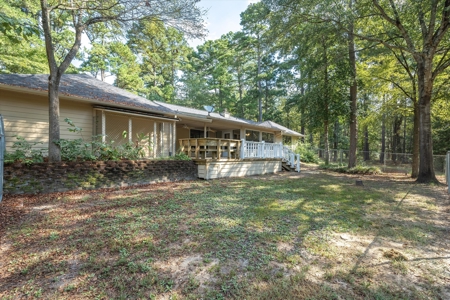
{"points": [[26, 115]]}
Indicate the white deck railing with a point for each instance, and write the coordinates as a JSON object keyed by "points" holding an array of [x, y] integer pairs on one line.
{"points": [[270, 150]]}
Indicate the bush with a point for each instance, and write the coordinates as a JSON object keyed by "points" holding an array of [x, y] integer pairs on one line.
{"points": [[182, 156], [307, 154], [24, 152], [363, 170]]}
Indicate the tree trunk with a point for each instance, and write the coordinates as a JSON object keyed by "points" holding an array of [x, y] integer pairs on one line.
{"points": [[415, 152], [366, 144], [54, 152], [326, 143], [396, 141], [383, 137], [259, 83], [353, 97], [302, 116], [426, 164], [336, 140]]}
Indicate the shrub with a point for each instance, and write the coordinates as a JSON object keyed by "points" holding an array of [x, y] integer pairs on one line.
{"points": [[307, 154], [364, 170], [181, 156], [24, 152]]}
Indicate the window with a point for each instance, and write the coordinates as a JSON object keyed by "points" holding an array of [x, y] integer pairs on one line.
{"points": [[236, 134], [252, 136], [195, 134], [267, 137]]}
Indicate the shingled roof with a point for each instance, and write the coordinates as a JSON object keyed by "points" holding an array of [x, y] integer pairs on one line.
{"points": [[84, 86]]}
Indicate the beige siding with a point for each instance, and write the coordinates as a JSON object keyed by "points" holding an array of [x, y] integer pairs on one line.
{"points": [[26, 115]]}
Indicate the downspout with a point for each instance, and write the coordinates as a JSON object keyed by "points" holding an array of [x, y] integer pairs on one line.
{"points": [[2, 154]]}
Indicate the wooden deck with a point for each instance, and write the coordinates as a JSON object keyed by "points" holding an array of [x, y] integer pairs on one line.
{"points": [[211, 148]]}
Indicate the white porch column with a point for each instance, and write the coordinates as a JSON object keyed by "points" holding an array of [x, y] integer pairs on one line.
{"points": [[242, 133], [174, 138], [260, 136], [243, 146], [154, 138], [205, 133], [263, 150], [130, 130], [161, 138], [103, 126]]}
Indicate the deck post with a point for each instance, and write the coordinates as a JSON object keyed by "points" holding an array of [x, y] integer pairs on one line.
{"points": [[298, 163], [242, 154], [263, 149]]}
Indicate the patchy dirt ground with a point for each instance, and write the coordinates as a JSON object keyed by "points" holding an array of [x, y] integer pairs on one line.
{"points": [[313, 235]]}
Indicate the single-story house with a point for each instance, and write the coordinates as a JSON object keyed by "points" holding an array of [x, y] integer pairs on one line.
{"points": [[105, 111]]}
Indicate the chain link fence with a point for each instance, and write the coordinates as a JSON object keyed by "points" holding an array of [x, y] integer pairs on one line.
{"points": [[387, 162]]}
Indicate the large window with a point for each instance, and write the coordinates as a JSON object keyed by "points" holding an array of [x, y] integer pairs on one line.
{"points": [[252, 136], [267, 137]]}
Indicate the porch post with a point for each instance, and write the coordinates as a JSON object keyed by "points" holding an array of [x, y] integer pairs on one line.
{"points": [[170, 139], [174, 137], [103, 126], [130, 130], [161, 138], [243, 148], [154, 138], [205, 133], [260, 136], [263, 150]]}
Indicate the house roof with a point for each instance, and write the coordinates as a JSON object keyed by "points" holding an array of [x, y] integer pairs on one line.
{"points": [[84, 86], [285, 130]]}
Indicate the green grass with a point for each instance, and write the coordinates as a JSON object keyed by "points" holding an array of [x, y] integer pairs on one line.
{"points": [[248, 238]]}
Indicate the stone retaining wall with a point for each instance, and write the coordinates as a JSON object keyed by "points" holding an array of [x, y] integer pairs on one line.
{"points": [[67, 176]]}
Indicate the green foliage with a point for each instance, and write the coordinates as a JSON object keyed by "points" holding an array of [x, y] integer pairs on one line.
{"points": [[181, 156], [24, 152], [79, 150], [21, 49], [307, 153], [363, 170], [17, 29]]}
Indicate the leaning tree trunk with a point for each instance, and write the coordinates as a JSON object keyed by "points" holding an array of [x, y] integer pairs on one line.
{"points": [[426, 164], [415, 152]]}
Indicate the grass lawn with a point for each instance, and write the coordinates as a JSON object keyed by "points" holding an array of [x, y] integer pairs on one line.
{"points": [[313, 235]]}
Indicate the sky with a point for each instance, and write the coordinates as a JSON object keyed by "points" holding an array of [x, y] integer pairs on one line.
{"points": [[222, 17]]}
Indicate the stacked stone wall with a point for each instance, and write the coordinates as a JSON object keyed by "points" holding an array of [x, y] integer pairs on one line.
{"points": [[67, 176]]}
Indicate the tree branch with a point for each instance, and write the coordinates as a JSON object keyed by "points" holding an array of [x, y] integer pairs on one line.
{"points": [[396, 22]]}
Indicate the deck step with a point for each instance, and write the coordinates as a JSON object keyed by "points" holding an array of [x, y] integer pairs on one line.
{"points": [[287, 167]]}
